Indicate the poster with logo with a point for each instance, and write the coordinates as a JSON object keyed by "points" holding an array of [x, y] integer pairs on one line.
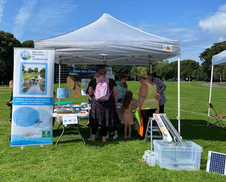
{"points": [[70, 119], [33, 87], [63, 93]]}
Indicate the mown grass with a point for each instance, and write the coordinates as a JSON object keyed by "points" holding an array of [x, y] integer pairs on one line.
{"points": [[117, 160], [30, 75]]}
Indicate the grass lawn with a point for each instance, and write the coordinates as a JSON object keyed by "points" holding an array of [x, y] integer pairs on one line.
{"points": [[117, 160], [30, 75]]}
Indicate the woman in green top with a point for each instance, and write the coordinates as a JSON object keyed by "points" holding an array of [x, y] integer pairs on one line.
{"points": [[122, 87]]}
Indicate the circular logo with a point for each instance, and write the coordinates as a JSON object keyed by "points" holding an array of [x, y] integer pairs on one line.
{"points": [[25, 55], [27, 134]]}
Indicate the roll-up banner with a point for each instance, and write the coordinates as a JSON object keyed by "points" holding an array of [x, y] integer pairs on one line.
{"points": [[33, 88]]}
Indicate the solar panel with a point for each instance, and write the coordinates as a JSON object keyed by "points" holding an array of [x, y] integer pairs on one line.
{"points": [[216, 162]]}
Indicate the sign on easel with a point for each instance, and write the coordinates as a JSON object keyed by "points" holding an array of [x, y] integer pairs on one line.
{"points": [[165, 133]]}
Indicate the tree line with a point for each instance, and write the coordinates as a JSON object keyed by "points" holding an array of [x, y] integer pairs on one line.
{"points": [[190, 69]]}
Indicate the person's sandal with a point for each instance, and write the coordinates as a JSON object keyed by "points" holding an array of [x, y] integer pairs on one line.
{"points": [[142, 160], [115, 137], [91, 140], [104, 139]]}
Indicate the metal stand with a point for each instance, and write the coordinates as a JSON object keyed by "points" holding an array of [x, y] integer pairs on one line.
{"points": [[61, 123], [152, 131], [170, 134]]}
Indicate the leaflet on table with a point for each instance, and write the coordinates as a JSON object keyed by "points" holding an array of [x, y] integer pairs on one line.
{"points": [[70, 119], [32, 97]]}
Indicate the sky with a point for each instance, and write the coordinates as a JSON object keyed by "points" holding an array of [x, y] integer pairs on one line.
{"points": [[197, 24]]}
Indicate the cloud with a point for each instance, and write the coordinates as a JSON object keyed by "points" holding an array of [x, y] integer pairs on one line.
{"points": [[47, 18], [23, 17], [2, 2], [53, 13], [193, 40], [216, 24]]}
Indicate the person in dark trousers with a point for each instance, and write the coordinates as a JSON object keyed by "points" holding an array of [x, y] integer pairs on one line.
{"points": [[10, 104], [95, 75], [103, 113]]}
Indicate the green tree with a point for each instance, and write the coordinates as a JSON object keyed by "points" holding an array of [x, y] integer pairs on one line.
{"points": [[133, 73], [141, 69], [119, 70], [165, 69], [30, 70], [7, 42], [206, 57], [224, 74], [36, 70], [28, 43], [188, 68], [42, 73], [218, 73], [23, 68]]}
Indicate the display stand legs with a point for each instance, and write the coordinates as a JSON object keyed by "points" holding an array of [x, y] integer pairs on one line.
{"points": [[75, 136]]}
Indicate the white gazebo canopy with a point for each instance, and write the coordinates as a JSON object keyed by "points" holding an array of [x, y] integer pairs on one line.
{"points": [[218, 59], [112, 42]]}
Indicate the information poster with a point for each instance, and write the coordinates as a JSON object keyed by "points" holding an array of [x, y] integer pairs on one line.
{"points": [[83, 91], [63, 93], [70, 119], [32, 97], [85, 82]]}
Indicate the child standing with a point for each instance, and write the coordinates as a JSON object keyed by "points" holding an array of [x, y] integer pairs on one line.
{"points": [[127, 116]]}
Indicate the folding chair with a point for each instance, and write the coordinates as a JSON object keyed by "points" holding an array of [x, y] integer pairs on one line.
{"points": [[218, 117]]}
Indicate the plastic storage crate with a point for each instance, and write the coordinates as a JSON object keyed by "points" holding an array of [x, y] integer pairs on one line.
{"points": [[185, 156]]}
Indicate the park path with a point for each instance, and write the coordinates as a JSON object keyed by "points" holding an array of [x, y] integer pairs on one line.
{"points": [[214, 85]]}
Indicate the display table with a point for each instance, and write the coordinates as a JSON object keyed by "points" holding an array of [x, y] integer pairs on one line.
{"points": [[71, 119]]}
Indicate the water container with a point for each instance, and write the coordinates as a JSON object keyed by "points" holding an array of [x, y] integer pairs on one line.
{"points": [[175, 156], [151, 159]]}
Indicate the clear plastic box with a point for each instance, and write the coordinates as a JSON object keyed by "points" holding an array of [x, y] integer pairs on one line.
{"points": [[182, 156]]}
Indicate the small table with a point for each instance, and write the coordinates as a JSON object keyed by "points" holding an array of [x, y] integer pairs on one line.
{"points": [[72, 119]]}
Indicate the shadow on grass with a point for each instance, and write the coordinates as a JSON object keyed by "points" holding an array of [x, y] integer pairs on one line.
{"points": [[198, 129], [85, 132], [190, 130], [70, 131]]}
